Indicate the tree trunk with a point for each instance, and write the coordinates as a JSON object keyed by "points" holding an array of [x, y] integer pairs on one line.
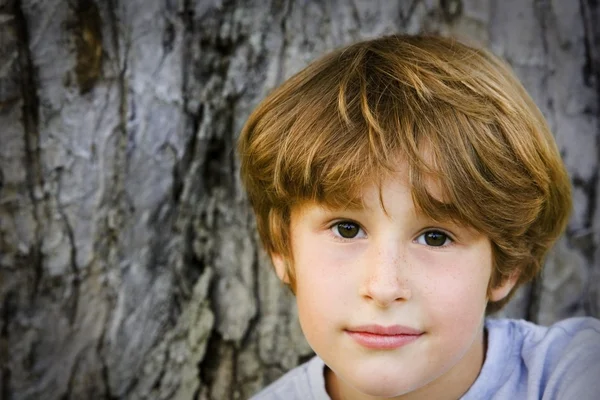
{"points": [[130, 266]]}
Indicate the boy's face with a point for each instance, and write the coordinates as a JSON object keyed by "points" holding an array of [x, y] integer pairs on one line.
{"points": [[392, 303]]}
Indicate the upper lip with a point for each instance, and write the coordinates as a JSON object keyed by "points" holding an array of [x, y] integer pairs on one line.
{"points": [[385, 330]]}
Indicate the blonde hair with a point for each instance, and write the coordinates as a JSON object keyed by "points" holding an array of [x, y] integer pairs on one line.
{"points": [[455, 113]]}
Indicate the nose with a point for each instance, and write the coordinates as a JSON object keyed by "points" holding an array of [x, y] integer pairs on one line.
{"points": [[385, 278]]}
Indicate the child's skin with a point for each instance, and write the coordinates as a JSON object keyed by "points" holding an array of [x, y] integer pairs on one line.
{"points": [[393, 268]]}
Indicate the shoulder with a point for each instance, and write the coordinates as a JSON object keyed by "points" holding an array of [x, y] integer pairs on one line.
{"points": [[532, 334], [554, 341], [303, 382], [560, 361], [572, 331], [576, 370]]}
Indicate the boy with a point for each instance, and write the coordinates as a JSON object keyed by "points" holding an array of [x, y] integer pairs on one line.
{"points": [[404, 187]]}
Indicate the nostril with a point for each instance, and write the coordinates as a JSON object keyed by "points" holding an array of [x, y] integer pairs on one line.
{"points": [[384, 292]]}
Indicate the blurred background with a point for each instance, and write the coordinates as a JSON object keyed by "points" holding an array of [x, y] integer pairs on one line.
{"points": [[129, 263]]}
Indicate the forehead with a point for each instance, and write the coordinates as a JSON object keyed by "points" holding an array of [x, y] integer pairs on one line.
{"points": [[368, 192], [375, 191]]}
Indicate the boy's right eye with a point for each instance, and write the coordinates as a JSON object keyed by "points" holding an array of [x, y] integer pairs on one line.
{"points": [[347, 230]]}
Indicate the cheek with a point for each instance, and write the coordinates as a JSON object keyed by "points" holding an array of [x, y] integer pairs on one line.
{"points": [[325, 283], [320, 298], [324, 264], [322, 278], [456, 288]]}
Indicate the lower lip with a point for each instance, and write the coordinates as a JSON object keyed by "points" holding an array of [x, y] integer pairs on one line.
{"points": [[374, 341]]}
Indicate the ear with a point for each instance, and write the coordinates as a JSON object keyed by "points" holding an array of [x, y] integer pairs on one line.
{"points": [[503, 289], [280, 265]]}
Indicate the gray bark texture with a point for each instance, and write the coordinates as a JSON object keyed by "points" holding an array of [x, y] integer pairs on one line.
{"points": [[129, 263]]}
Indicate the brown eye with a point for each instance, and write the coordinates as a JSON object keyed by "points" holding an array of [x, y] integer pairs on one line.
{"points": [[434, 238], [347, 229]]}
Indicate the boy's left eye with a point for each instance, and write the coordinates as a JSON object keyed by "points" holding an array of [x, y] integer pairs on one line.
{"points": [[434, 239]]}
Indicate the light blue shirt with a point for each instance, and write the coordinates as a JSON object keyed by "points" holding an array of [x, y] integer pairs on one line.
{"points": [[523, 361]]}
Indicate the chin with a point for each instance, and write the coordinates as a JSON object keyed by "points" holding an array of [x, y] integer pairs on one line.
{"points": [[382, 386]]}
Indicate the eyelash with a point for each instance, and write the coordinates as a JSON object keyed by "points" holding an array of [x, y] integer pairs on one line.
{"points": [[342, 239], [338, 236], [448, 242]]}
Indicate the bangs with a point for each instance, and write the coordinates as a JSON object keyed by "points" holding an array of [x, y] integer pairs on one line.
{"points": [[352, 125]]}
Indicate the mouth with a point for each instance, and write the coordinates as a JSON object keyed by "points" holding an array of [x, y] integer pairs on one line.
{"points": [[383, 337]]}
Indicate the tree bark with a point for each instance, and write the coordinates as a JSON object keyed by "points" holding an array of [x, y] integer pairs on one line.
{"points": [[130, 266]]}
